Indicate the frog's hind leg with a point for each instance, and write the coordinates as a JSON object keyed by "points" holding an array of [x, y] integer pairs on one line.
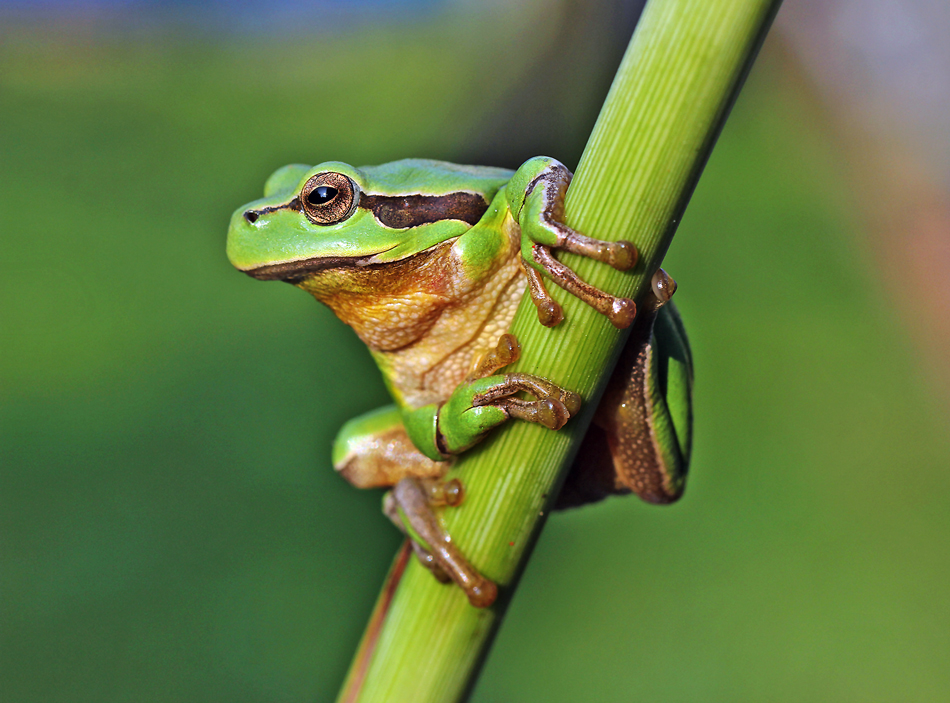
{"points": [[391, 510], [641, 437], [411, 506]]}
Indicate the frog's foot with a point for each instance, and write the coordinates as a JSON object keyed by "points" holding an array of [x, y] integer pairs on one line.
{"points": [[620, 311], [553, 406], [477, 406], [542, 225], [411, 506]]}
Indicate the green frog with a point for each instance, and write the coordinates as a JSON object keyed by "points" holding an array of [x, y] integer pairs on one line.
{"points": [[427, 261]]}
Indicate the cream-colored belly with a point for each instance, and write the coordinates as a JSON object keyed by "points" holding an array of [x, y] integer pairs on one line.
{"points": [[431, 368]]}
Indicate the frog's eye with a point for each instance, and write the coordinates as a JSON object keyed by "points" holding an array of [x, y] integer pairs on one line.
{"points": [[328, 198]]}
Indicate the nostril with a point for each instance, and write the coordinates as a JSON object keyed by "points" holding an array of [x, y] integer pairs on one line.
{"points": [[251, 216]]}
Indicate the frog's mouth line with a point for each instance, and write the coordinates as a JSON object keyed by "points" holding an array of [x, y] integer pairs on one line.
{"points": [[296, 271]]}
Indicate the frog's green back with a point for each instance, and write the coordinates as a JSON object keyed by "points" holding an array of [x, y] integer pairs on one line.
{"points": [[411, 176]]}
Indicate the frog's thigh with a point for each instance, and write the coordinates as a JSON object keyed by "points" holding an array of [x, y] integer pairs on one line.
{"points": [[640, 439], [592, 477], [373, 451]]}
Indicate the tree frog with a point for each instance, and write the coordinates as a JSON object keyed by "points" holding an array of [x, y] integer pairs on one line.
{"points": [[428, 261]]}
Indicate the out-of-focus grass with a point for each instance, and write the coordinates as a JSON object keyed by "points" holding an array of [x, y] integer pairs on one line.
{"points": [[172, 530], [171, 526]]}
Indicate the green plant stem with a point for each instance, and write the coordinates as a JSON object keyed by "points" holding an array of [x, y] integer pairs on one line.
{"points": [[671, 94]]}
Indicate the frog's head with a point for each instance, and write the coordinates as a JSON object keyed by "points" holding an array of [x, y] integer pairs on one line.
{"points": [[334, 215]]}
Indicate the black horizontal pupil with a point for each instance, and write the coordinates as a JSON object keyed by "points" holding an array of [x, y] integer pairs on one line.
{"points": [[321, 195]]}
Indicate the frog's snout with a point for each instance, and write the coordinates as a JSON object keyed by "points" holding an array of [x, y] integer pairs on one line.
{"points": [[252, 214], [243, 234]]}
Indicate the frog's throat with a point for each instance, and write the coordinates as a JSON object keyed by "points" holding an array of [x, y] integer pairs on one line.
{"points": [[389, 304]]}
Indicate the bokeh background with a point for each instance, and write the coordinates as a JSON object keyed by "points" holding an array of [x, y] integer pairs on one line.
{"points": [[170, 525]]}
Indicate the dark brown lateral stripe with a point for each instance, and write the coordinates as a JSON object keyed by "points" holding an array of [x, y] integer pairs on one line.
{"points": [[293, 271], [296, 271], [401, 211]]}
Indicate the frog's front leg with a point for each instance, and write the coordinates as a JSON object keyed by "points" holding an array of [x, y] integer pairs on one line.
{"points": [[482, 402], [536, 199]]}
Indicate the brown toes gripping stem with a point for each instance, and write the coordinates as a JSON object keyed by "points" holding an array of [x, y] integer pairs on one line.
{"points": [[553, 408], [540, 388], [549, 413], [426, 530], [621, 255], [506, 352], [620, 311], [549, 312]]}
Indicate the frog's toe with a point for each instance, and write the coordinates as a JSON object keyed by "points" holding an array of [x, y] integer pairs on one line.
{"points": [[549, 311], [549, 412], [506, 351], [621, 255], [553, 406], [411, 506], [483, 594], [662, 287], [430, 562], [620, 311]]}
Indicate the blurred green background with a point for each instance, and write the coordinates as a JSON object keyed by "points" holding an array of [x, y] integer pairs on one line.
{"points": [[170, 525]]}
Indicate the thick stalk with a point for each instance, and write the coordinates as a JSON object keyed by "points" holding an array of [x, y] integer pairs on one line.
{"points": [[672, 92]]}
